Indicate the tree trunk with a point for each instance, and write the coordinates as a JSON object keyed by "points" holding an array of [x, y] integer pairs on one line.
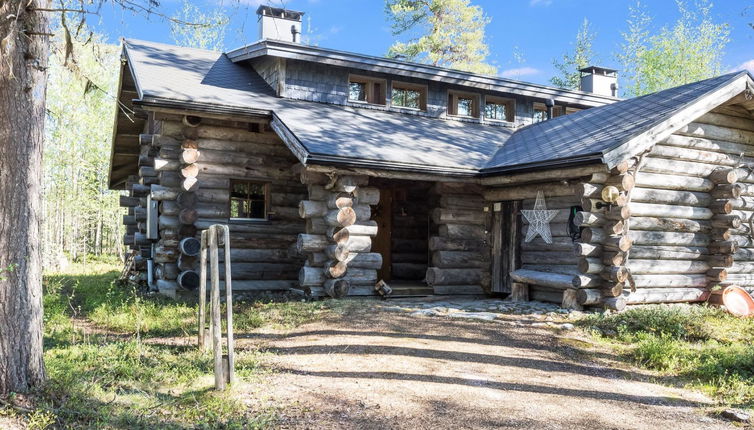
{"points": [[22, 108]]}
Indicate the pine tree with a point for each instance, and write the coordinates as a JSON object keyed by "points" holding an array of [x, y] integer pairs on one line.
{"points": [[445, 33], [582, 56]]}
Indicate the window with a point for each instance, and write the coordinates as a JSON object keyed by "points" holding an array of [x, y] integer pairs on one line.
{"points": [[410, 96], [570, 110], [461, 104], [366, 90], [540, 112], [499, 109], [248, 200]]}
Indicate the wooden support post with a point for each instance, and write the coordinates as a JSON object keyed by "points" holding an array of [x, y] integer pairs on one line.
{"points": [[519, 292], [215, 304], [203, 292]]}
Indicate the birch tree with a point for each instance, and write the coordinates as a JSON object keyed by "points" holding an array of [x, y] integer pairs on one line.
{"points": [[445, 33], [582, 56], [690, 50]]}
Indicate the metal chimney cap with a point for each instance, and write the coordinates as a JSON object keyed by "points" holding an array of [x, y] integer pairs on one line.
{"points": [[597, 70], [278, 12]]}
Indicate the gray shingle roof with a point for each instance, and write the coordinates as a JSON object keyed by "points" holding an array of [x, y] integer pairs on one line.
{"points": [[599, 129], [198, 77]]}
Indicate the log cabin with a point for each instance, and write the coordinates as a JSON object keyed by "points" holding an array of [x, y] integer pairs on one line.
{"points": [[336, 170]]}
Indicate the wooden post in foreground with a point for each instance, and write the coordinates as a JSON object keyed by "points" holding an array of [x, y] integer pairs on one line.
{"points": [[224, 365]]}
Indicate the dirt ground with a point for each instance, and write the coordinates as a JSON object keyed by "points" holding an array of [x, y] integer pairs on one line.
{"points": [[382, 370]]}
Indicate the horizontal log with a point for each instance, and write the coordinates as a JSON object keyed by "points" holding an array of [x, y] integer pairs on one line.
{"points": [[343, 217], [667, 266], [311, 243], [715, 132], [673, 182], [669, 211], [589, 219], [349, 184], [670, 224], [529, 191], [337, 288], [364, 228], [311, 209], [365, 260], [670, 280], [551, 257], [462, 231], [588, 297], [693, 154], [587, 249], [367, 195], [683, 198], [563, 269], [462, 201], [551, 280], [639, 237], [548, 175], [339, 200], [458, 216], [458, 259], [439, 276], [437, 243], [667, 295]]}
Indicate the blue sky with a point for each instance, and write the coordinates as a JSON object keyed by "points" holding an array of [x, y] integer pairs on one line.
{"points": [[538, 30]]}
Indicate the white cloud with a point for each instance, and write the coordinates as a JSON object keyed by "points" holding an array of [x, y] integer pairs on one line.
{"points": [[540, 2], [748, 65], [519, 71]]}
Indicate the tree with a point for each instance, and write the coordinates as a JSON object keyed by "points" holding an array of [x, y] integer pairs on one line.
{"points": [[691, 50], [24, 49], [210, 34], [582, 56], [23, 61], [446, 33], [81, 215]]}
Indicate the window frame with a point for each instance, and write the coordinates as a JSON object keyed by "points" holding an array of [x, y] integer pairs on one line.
{"points": [[510, 117], [452, 108], [408, 86], [369, 83], [266, 190]]}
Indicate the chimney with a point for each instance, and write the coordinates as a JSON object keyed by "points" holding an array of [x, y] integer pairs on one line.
{"points": [[599, 80], [279, 24]]}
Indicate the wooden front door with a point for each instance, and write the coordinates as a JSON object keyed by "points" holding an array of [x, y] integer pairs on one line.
{"points": [[506, 237], [383, 214]]}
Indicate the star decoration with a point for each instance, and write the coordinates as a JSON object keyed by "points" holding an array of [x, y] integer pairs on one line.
{"points": [[539, 220]]}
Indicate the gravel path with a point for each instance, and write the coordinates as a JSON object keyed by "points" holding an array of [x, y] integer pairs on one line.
{"points": [[382, 366]]}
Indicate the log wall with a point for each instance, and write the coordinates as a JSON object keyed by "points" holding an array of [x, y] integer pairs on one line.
{"points": [[338, 238], [460, 243], [187, 168]]}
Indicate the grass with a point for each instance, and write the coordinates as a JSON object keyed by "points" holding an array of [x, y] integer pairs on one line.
{"points": [[704, 347], [113, 361]]}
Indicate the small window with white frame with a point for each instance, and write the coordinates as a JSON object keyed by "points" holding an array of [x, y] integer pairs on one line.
{"points": [[249, 200], [411, 96], [499, 109], [366, 90], [463, 104]]}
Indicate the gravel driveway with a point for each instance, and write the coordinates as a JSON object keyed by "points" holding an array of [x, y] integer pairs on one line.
{"points": [[372, 369]]}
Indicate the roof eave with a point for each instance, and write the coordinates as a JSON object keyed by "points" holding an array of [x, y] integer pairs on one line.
{"points": [[580, 160], [661, 131], [386, 65]]}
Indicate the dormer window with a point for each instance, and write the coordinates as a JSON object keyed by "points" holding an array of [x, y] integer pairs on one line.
{"points": [[412, 96], [463, 104], [366, 90], [499, 109]]}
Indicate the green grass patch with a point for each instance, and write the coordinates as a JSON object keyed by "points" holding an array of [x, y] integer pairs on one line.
{"points": [[706, 347], [128, 372]]}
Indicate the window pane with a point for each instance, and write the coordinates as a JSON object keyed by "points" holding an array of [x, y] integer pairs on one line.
{"points": [[465, 106], [357, 91], [407, 98], [496, 111], [248, 200]]}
